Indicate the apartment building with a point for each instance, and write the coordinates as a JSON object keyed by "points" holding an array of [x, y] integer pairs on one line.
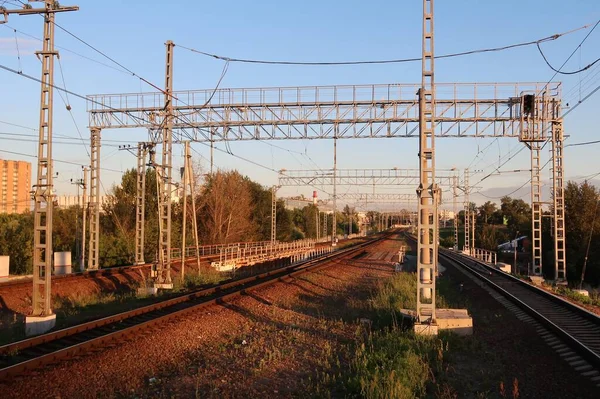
{"points": [[15, 185]]}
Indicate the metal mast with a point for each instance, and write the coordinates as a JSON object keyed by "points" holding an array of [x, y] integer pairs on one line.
{"points": [[94, 199], [140, 200], [274, 214], [184, 213], [86, 171], [467, 246], [427, 191], [163, 278], [193, 195], [334, 222], [558, 194], [536, 209], [455, 209], [42, 246]]}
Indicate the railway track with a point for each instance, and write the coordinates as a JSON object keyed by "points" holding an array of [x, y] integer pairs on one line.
{"points": [[573, 332], [26, 355], [111, 271]]}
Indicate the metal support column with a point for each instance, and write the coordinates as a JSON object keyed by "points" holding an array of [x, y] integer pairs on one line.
{"points": [[184, 213], [427, 191], [334, 223], [472, 232], [467, 245], [536, 209], [191, 181], [455, 210], [163, 278], [93, 253], [140, 202], [274, 214], [558, 194], [43, 189], [85, 207]]}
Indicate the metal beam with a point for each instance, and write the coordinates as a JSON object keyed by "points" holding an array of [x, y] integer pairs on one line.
{"points": [[321, 112], [358, 177], [377, 197]]}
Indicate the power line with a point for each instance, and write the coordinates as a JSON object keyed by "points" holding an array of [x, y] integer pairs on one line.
{"points": [[573, 53], [391, 61], [68, 50], [56, 160], [581, 101], [583, 143], [68, 91], [561, 72]]}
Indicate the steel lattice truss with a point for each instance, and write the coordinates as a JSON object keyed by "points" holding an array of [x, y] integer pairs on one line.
{"points": [[378, 197], [322, 112], [360, 177]]}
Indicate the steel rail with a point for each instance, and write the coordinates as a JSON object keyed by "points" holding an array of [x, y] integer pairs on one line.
{"points": [[94, 334], [559, 309]]}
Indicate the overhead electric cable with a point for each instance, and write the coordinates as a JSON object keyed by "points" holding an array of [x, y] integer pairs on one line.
{"points": [[391, 61]]}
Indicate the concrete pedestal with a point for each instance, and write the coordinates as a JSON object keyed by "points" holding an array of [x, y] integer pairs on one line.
{"points": [[537, 280], [457, 321], [146, 291], [164, 286], [35, 325], [426, 329]]}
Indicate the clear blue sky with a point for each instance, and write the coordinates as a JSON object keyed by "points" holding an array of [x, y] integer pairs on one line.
{"points": [[134, 32]]}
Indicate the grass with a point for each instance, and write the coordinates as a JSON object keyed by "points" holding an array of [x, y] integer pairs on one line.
{"points": [[593, 299], [387, 360]]}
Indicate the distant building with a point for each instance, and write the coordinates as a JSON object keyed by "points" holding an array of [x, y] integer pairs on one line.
{"points": [[15, 186]]}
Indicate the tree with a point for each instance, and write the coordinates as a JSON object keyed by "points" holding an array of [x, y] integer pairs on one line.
{"points": [[16, 241], [518, 215], [580, 205], [486, 213], [226, 208]]}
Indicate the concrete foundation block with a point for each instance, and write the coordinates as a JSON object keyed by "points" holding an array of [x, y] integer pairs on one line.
{"points": [[164, 286], [36, 325], [425, 329], [457, 321], [147, 291], [537, 280]]}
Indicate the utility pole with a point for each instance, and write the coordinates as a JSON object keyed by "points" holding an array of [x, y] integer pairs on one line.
{"points": [[94, 207], [427, 190], [78, 183], [184, 214], [455, 209], [42, 248], [334, 224], [473, 233], [467, 227], [140, 205], [86, 171], [163, 278], [82, 202], [274, 214], [188, 181]]}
